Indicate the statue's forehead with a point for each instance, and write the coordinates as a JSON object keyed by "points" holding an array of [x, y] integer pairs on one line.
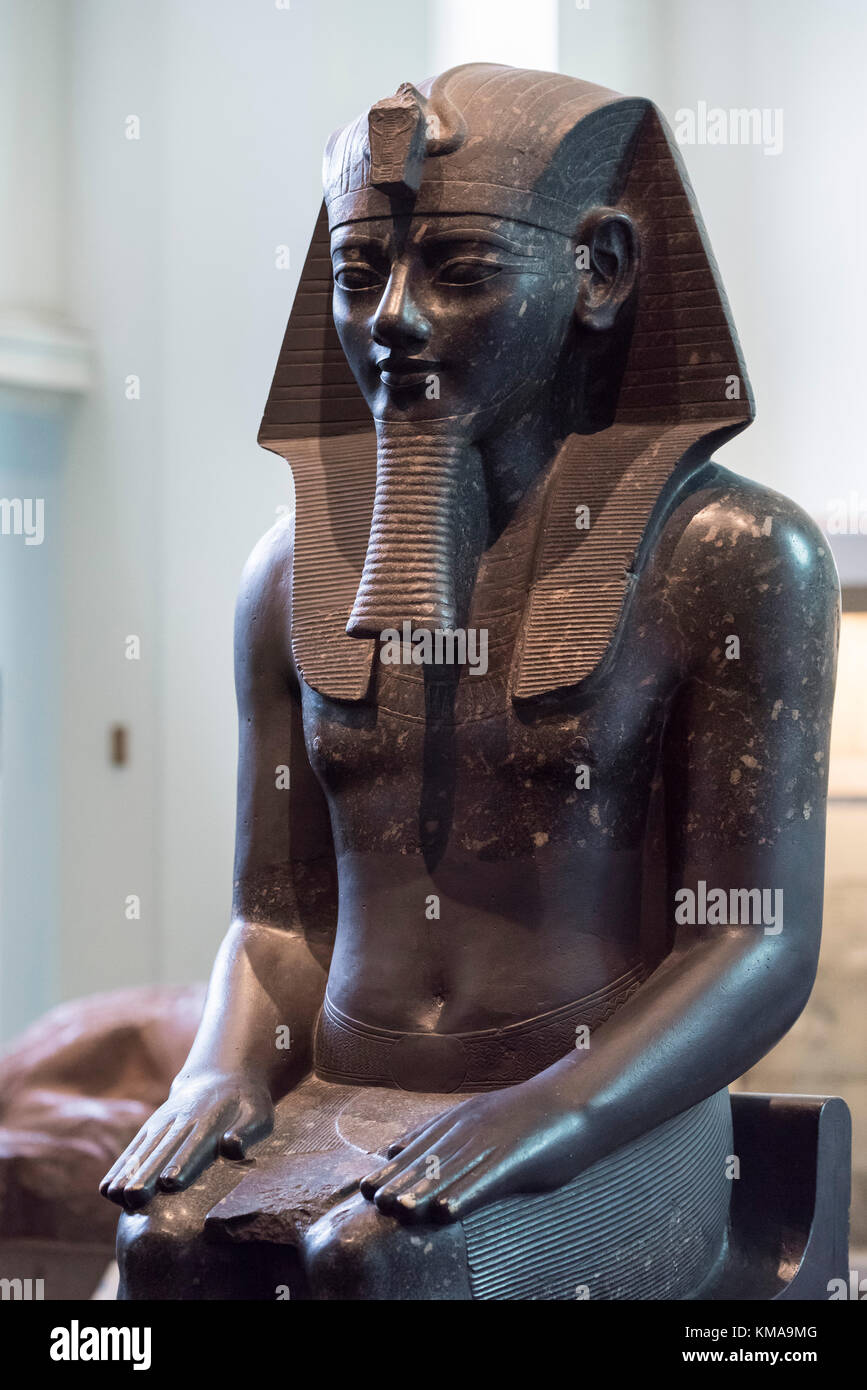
{"points": [[412, 229]]}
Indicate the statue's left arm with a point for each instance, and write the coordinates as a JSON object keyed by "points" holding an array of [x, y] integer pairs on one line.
{"points": [[745, 756]]}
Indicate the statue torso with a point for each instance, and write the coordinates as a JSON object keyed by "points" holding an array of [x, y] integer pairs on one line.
{"points": [[490, 852]]}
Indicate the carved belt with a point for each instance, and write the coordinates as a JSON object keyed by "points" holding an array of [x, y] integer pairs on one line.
{"points": [[354, 1053]]}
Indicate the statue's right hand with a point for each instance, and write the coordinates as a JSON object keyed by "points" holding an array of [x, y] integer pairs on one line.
{"points": [[205, 1115]]}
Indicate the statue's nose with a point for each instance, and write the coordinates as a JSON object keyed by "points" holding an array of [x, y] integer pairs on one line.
{"points": [[399, 321]]}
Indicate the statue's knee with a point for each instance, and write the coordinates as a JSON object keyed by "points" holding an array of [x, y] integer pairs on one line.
{"points": [[354, 1252], [154, 1246], [342, 1252]]}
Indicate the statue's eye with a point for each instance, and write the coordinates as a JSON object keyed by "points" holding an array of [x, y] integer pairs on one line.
{"points": [[467, 270], [355, 275]]}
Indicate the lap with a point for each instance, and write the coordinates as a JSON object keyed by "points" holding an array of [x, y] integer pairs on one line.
{"points": [[292, 1216]]}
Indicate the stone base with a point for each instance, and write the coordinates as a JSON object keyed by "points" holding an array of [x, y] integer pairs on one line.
{"points": [[296, 1226]]}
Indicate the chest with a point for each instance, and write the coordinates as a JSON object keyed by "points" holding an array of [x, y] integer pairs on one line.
{"points": [[423, 730], [447, 745]]}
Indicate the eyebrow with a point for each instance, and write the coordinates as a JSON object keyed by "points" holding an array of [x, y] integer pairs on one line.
{"points": [[360, 243], [425, 236], [464, 234]]}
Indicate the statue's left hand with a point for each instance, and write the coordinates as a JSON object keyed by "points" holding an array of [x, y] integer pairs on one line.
{"points": [[486, 1148]]}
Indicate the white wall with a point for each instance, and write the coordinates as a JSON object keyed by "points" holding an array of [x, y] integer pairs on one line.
{"points": [[493, 31], [31, 457], [114, 234], [33, 348], [31, 156]]}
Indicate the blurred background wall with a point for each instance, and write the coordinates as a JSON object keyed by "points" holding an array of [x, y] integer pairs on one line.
{"points": [[160, 166]]}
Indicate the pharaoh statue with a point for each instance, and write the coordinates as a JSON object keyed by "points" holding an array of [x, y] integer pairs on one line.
{"points": [[534, 704]]}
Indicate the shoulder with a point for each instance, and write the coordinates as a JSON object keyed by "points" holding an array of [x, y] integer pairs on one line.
{"points": [[734, 543], [264, 607]]}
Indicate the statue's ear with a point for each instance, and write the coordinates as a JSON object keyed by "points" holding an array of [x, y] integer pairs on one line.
{"points": [[610, 266]]}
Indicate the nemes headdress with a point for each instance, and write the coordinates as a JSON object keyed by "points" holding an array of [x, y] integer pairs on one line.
{"points": [[540, 148]]}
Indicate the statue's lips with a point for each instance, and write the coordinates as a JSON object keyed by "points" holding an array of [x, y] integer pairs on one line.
{"points": [[397, 372]]}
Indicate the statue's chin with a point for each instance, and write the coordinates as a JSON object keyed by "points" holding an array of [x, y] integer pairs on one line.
{"points": [[465, 410], [426, 535]]}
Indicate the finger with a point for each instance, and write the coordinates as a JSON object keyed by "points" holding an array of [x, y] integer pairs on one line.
{"points": [[192, 1156], [433, 1198], [430, 1130], [428, 1163], [425, 1141], [145, 1138], [409, 1201], [253, 1122], [404, 1141], [119, 1164], [129, 1163], [465, 1194], [141, 1187], [409, 1191]]}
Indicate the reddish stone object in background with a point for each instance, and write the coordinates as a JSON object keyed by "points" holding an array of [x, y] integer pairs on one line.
{"points": [[74, 1088]]}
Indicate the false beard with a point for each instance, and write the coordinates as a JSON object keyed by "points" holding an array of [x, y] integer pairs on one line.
{"points": [[429, 526]]}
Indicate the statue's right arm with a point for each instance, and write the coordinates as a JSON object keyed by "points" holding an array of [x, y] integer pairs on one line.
{"points": [[254, 1042]]}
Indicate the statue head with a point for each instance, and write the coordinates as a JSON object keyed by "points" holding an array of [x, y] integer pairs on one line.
{"points": [[505, 260], [479, 264]]}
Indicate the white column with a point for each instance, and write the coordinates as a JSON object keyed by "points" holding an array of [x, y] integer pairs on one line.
{"points": [[42, 362], [37, 347]]}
